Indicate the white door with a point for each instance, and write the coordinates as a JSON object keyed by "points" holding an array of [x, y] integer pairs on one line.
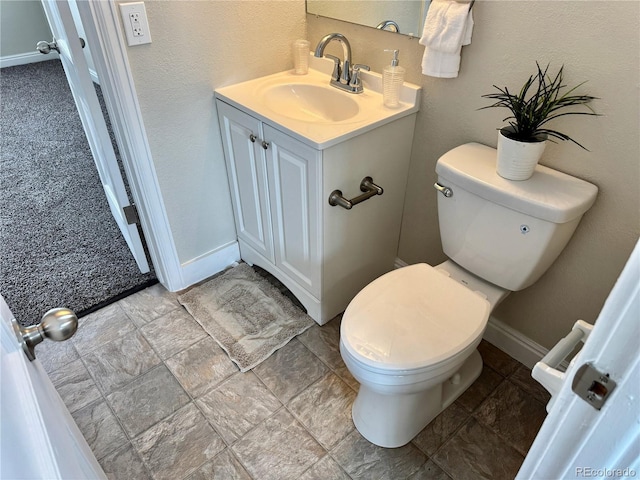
{"points": [[75, 66], [576, 440], [39, 438]]}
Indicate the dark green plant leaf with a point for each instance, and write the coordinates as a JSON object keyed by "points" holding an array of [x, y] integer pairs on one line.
{"points": [[539, 101]]}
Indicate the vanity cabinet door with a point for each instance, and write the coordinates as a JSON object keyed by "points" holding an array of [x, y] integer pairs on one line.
{"points": [[246, 169], [294, 172]]}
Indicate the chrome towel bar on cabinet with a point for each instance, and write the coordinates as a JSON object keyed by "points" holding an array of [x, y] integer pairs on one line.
{"points": [[367, 186]]}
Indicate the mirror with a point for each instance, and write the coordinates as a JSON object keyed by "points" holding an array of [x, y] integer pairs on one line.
{"points": [[403, 16]]}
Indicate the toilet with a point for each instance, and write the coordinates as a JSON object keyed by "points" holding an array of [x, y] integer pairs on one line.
{"points": [[410, 337]]}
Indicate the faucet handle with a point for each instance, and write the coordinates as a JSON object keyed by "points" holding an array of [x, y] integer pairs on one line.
{"points": [[355, 77], [336, 68]]}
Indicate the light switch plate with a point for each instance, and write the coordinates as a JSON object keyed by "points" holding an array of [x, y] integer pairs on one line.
{"points": [[136, 25]]}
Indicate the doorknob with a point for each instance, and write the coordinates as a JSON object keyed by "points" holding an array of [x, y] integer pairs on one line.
{"points": [[57, 324], [45, 47]]}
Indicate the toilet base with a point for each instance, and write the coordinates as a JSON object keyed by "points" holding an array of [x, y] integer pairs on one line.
{"points": [[392, 421]]}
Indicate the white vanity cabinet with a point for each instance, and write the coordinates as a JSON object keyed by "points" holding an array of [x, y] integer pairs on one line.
{"points": [[274, 183], [280, 188]]}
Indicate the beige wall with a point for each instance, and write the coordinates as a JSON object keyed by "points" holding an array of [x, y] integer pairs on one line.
{"points": [[198, 46], [597, 41]]}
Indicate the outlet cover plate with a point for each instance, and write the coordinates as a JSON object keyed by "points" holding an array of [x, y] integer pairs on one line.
{"points": [[135, 23]]}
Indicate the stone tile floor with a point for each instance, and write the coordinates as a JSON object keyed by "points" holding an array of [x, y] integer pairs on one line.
{"points": [[156, 398]]}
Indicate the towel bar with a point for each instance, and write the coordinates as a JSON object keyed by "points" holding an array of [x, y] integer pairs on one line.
{"points": [[367, 186]]}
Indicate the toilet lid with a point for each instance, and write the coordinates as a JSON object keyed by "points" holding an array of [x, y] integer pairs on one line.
{"points": [[412, 317]]}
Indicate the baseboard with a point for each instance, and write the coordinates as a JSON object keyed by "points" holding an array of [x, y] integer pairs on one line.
{"points": [[399, 263], [25, 58], [209, 264], [514, 343], [507, 339]]}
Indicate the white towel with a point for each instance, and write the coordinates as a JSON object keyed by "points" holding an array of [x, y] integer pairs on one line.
{"points": [[448, 26]]}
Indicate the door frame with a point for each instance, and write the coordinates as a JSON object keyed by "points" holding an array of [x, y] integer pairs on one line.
{"points": [[101, 22]]}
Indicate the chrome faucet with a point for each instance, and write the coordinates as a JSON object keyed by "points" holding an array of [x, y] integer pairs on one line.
{"points": [[344, 77], [389, 25]]}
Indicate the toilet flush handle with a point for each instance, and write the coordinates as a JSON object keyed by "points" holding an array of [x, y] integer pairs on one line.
{"points": [[446, 191]]}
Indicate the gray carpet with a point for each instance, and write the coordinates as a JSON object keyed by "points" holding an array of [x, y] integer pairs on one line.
{"points": [[59, 244]]}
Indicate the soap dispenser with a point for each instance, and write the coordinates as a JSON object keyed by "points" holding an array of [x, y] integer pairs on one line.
{"points": [[392, 80]]}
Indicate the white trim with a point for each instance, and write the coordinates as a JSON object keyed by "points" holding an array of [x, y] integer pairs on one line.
{"points": [[101, 21], [399, 263], [103, 30], [94, 76], [26, 58], [509, 340], [209, 264]]}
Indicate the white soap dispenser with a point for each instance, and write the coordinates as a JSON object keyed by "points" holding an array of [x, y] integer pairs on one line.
{"points": [[392, 80]]}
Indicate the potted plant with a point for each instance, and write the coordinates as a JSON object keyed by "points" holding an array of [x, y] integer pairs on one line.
{"points": [[540, 100]]}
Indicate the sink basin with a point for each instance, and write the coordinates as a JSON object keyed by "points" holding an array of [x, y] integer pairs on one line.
{"points": [[310, 103], [307, 108]]}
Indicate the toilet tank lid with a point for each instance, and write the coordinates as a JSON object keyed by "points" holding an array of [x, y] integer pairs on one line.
{"points": [[548, 195]]}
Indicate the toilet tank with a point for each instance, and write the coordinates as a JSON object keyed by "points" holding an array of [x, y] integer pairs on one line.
{"points": [[506, 232]]}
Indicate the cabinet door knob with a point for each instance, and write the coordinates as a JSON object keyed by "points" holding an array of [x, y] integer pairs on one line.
{"points": [[265, 145], [253, 138]]}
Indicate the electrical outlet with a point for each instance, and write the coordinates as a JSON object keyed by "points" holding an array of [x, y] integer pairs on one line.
{"points": [[136, 26]]}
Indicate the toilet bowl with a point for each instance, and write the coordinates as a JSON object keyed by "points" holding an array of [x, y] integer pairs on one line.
{"points": [[410, 336]]}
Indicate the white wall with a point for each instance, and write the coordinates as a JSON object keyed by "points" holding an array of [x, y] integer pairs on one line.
{"points": [[198, 46], [597, 41], [22, 25]]}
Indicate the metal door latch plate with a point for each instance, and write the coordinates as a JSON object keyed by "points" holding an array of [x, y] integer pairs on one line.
{"points": [[592, 386], [131, 214]]}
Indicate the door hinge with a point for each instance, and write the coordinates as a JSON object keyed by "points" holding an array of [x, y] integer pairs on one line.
{"points": [[131, 214], [592, 386]]}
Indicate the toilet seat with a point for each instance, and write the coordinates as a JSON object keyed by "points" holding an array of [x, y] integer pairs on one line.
{"points": [[412, 318]]}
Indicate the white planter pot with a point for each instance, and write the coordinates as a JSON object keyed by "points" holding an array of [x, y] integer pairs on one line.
{"points": [[517, 160]]}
